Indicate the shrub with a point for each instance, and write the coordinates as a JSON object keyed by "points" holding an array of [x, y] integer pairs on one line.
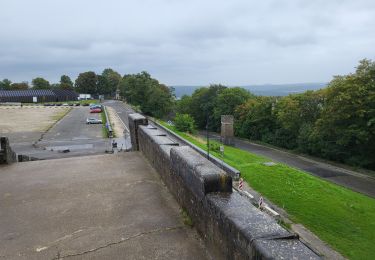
{"points": [[184, 123]]}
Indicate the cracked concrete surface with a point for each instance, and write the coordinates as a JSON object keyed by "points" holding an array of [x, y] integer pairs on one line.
{"points": [[94, 207]]}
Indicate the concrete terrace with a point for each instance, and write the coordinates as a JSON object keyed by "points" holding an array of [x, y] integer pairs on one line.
{"points": [[93, 207]]}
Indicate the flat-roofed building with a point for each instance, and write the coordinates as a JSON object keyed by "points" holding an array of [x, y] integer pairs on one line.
{"points": [[37, 95]]}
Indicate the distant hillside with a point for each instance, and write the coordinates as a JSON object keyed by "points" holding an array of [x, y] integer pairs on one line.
{"points": [[262, 90]]}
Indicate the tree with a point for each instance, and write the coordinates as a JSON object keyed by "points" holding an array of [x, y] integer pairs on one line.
{"points": [[20, 86], [86, 83], [183, 106], [159, 101], [227, 101], [345, 130], [5, 84], [203, 103], [256, 119], [55, 86], [184, 123], [40, 83], [296, 115], [142, 90], [110, 83], [66, 83]]}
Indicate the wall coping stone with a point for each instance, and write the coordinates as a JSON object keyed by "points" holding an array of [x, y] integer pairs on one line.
{"points": [[200, 175]]}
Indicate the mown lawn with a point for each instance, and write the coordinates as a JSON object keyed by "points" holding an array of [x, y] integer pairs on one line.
{"points": [[339, 216]]}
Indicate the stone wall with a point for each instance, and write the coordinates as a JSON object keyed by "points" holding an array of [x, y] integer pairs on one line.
{"points": [[227, 168], [135, 120], [7, 156], [231, 226]]}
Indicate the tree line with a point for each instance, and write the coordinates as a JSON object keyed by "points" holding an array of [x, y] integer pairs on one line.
{"points": [[141, 90], [335, 123], [89, 82]]}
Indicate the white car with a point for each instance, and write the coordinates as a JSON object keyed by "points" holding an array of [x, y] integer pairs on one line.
{"points": [[93, 121]]}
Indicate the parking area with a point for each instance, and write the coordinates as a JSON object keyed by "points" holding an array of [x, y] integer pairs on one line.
{"points": [[52, 132], [26, 124]]}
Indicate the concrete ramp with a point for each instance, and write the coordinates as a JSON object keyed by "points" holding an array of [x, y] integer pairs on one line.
{"points": [[94, 207]]}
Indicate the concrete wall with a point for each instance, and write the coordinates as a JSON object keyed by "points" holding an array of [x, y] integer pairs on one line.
{"points": [[7, 156], [231, 226]]}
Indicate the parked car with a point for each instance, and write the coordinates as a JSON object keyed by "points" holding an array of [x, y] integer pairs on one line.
{"points": [[94, 106], [95, 110], [93, 121]]}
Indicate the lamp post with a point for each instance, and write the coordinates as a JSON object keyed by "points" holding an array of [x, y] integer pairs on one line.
{"points": [[208, 139]]}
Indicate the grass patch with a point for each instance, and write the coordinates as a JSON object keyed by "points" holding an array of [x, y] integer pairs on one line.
{"points": [[60, 114], [105, 132], [342, 218], [186, 218]]}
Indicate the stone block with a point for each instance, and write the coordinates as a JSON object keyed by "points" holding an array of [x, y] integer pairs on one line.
{"points": [[200, 175], [135, 120]]}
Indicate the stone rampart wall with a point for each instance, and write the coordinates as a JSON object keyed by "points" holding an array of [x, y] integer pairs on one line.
{"points": [[231, 226]]}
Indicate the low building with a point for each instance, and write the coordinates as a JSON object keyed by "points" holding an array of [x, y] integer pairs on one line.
{"points": [[37, 95], [84, 97]]}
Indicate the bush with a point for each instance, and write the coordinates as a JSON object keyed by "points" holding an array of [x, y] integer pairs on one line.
{"points": [[215, 147], [184, 123]]}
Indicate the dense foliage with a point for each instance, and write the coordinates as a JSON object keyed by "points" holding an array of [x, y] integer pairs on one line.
{"points": [[40, 83], [336, 123], [142, 90], [184, 123]]}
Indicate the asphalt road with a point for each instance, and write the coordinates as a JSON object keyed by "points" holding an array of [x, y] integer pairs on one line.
{"points": [[91, 207], [122, 109], [350, 179]]}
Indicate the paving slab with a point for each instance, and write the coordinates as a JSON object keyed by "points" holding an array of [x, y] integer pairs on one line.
{"points": [[92, 207]]}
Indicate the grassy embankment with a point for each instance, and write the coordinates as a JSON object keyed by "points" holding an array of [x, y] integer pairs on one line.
{"points": [[104, 122], [105, 132], [339, 216]]}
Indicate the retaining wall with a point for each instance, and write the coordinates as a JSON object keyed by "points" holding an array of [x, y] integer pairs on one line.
{"points": [[7, 156], [231, 226]]}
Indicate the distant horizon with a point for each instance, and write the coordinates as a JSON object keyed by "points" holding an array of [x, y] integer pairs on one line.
{"points": [[247, 85]]}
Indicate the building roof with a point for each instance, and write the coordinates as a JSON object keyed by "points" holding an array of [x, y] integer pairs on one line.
{"points": [[36, 93]]}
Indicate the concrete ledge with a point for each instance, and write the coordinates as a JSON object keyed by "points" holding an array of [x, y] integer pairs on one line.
{"points": [[200, 175]]}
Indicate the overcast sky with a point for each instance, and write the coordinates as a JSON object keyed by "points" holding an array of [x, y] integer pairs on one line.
{"points": [[187, 42]]}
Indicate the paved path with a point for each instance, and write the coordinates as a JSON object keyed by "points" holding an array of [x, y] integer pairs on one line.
{"points": [[122, 111], [93, 207], [350, 179]]}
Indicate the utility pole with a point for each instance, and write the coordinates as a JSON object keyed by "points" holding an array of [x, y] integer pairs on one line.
{"points": [[208, 139]]}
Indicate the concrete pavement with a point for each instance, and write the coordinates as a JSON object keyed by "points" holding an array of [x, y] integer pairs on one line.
{"points": [[93, 207]]}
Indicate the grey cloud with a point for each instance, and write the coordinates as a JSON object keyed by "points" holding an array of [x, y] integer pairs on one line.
{"points": [[187, 42]]}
